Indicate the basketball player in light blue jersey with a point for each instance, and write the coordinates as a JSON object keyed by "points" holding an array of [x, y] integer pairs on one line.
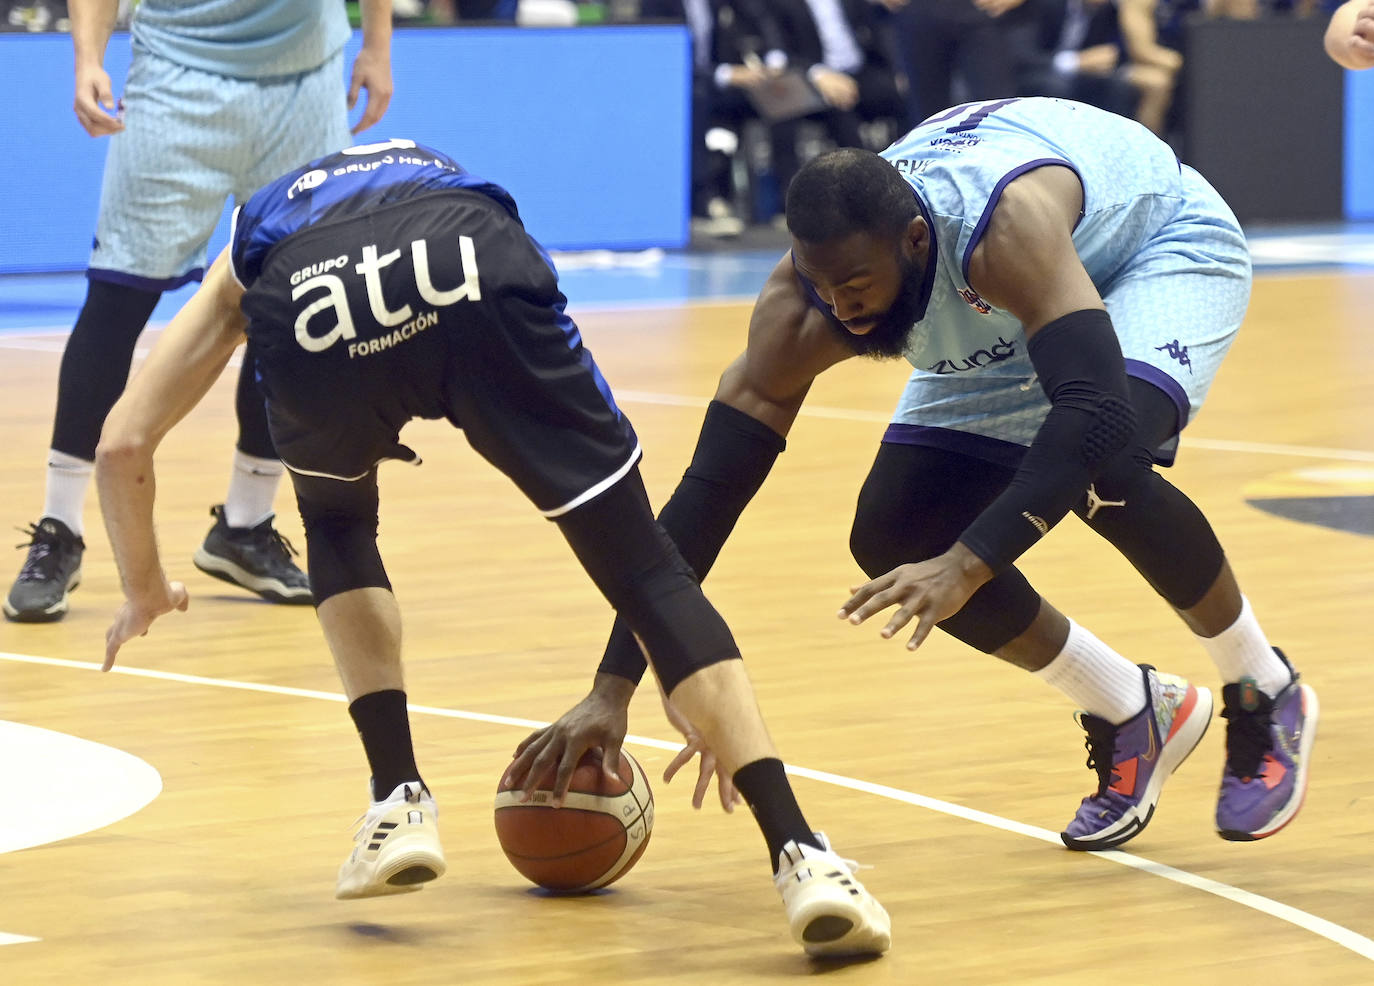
{"points": [[1065, 291], [222, 97]]}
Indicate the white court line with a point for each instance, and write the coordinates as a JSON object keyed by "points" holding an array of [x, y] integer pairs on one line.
{"points": [[6, 939], [1329, 930]]}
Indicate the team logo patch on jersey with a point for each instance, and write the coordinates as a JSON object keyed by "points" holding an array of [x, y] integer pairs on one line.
{"points": [[975, 302], [307, 181]]}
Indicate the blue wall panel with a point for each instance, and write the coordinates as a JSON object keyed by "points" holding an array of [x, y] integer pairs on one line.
{"points": [[587, 127], [1359, 144]]}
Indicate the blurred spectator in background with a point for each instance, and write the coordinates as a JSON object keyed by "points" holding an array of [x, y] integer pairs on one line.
{"points": [[1350, 35], [1074, 49], [846, 49], [1153, 67], [734, 48], [953, 51], [1069, 49]]}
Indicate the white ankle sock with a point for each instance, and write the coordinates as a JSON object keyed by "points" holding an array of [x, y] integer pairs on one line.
{"points": [[1242, 651], [1095, 677], [68, 480], [252, 488]]}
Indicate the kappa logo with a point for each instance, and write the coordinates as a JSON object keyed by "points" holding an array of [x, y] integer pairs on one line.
{"points": [[1178, 352], [975, 302]]}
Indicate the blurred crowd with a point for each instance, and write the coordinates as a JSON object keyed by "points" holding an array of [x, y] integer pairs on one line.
{"points": [[777, 81]]}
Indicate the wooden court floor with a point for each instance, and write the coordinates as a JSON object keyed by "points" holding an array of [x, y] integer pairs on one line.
{"points": [[947, 773]]}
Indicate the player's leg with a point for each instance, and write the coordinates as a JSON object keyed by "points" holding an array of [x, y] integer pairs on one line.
{"points": [[156, 214], [272, 126], [915, 503], [396, 847], [243, 546], [635, 565], [1176, 323], [95, 366]]}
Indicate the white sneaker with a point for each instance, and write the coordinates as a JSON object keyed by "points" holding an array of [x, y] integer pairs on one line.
{"points": [[396, 848], [830, 912]]}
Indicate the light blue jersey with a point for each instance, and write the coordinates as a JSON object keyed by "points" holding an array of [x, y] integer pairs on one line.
{"points": [[1161, 246], [242, 39]]}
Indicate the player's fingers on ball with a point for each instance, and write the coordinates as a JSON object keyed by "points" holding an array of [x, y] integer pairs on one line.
{"points": [[610, 759], [562, 779], [529, 740]]}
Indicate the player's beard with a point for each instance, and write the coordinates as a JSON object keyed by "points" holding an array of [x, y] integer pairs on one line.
{"points": [[887, 339]]}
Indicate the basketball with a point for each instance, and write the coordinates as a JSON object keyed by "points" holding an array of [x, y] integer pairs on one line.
{"points": [[592, 841]]}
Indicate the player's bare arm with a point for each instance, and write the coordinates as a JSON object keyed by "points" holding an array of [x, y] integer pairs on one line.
{"points": [[93, 22], [372, 67], [1026, 264], [183, 365], [789, 345]]}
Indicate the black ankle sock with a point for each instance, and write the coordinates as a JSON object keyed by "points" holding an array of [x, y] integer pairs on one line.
{"points": [[764, 785], [384, 729]]}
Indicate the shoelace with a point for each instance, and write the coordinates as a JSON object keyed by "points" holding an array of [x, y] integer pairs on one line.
{"points": [[1101, 746], [43, 554], [274, 542], [382, 807], [1248, 739]]}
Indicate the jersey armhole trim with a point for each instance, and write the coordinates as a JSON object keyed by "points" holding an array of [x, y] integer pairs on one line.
{"points": [[233, 231], [981, 227]]}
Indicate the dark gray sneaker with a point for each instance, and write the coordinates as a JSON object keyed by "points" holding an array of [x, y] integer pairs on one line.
{"points": [[51, 570], [254, 558]]}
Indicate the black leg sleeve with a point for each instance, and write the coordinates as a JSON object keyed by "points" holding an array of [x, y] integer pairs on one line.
{"points": [[1159, 530], [95, 364], [340, 520], [914, 504], [640, 572]]}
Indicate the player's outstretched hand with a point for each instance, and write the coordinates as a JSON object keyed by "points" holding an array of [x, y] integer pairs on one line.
{"points": [[599, 721], [133, 619], [927, 592], [708, 768]]}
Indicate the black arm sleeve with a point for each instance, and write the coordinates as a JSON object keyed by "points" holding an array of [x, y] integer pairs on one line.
{"points": [[1080, 366], [733, 456]]}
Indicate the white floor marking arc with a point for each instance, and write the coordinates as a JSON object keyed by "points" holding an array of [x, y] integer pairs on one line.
{"points": [[1335, 933]]}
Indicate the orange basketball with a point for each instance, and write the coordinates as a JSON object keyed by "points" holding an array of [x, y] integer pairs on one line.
{"points": [[593, 840]]}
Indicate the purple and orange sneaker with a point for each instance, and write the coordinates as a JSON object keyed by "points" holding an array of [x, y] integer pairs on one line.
{"points": [[1134, 759], [1268, 752]]}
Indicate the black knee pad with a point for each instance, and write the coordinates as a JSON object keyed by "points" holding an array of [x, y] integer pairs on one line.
{"points": [[340, 521], [1155, 526], [640, 572]]}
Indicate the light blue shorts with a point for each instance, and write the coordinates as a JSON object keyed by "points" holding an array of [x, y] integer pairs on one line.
{"points": [[1176, 304], [191, 140]]}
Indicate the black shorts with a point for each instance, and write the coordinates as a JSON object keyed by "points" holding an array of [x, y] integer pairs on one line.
{"points": [[437, 306]]}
